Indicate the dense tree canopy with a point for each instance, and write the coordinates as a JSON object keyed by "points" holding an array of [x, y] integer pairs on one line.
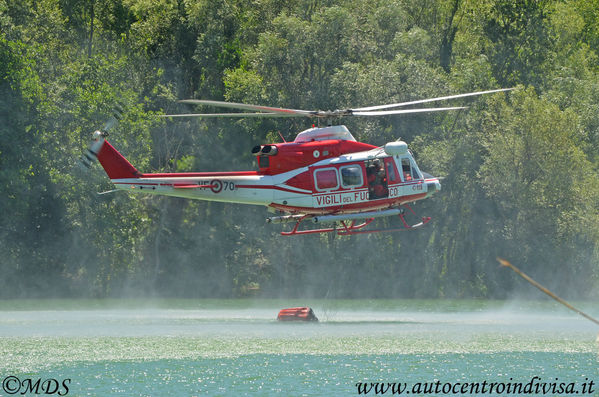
{"points": [[521, 170]]}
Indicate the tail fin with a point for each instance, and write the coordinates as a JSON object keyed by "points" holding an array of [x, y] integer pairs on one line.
{"points": [[115, 165]]}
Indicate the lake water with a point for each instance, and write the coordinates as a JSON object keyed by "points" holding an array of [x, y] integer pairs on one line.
{"points": [[236, 347]]}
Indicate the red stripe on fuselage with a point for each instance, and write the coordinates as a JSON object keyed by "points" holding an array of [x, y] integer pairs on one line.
{"points": [[271, 187], [200, 174]]}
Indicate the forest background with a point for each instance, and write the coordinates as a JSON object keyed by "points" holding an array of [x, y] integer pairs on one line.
{"points": [[520, 169]]}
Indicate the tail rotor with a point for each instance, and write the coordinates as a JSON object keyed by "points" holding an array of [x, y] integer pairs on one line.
{"points": [[91, 153]]}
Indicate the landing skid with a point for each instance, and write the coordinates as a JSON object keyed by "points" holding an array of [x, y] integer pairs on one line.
{"points": [[345, 227]]}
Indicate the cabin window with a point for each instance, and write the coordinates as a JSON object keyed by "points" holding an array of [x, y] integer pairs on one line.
{"points": [[351, 176], [326, 179]]}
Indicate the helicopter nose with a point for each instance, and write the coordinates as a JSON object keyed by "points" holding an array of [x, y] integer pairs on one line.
{"points": [[433, 186]]}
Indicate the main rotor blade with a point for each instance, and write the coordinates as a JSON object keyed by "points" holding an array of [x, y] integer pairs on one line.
{"points": [[394, 105], [231, 115], [258, 108], [404, 111]]}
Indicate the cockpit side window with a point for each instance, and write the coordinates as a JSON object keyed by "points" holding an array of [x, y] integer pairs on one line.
{"points": [[406, 168], [409, 171]]}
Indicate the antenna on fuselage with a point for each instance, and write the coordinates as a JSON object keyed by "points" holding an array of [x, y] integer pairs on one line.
{"points": [[282, 137]]}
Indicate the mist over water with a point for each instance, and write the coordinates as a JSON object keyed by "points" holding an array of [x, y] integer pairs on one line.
{"points": [[446, 322], [262, 322], [225, 347]]}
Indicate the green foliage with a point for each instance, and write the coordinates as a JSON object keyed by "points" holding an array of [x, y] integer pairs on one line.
{"points": [[520, 170], [519, 40]]}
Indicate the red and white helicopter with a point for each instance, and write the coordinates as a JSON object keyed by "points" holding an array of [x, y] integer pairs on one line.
{"points": [[323, 177]]}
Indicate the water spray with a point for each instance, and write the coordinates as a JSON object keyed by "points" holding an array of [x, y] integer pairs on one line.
{"points": [[526, 277]]}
